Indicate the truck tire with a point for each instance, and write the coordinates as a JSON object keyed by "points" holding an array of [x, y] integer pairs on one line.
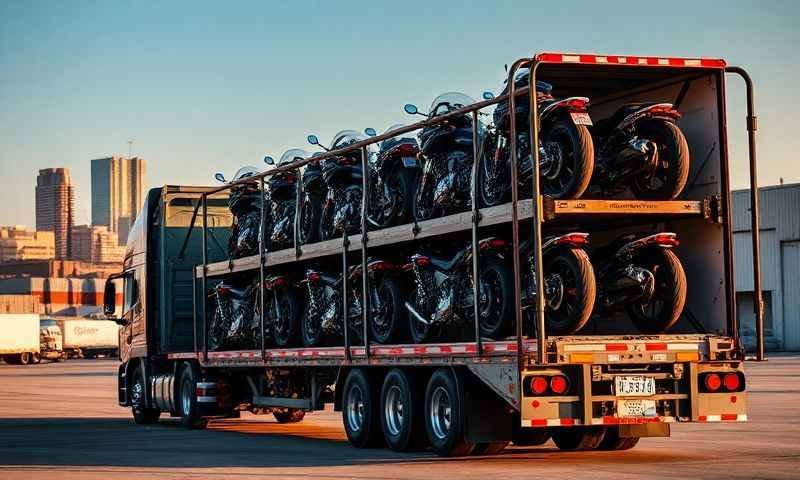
{"points": [[577, 438], [529, 437], [36, 358], [612, 441], [402, 412], [490, 448], [187, 395], [290, 415], [443, 415], [141, 414], [360, 410], [24, 358]]}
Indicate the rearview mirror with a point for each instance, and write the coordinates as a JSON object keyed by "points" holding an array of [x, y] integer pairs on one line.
{"points": [[220, 177], [110, 298], [410, 109], [488, 95], [269, 160], [370, 132], [312, 139]]}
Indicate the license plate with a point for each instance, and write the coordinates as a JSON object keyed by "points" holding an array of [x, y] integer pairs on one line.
{"points": [[639, 407], [581, 118], [629, 386], [409, 162]]}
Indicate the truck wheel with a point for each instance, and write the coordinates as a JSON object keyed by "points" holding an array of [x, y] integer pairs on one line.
{"points": [[443, 416], [24, 358], [491, 448], [612, 441], [290, 415], [402, 412], [190, 415], [36, 358], [577, 438], [529, 437], [141, 414], [359, 411]]}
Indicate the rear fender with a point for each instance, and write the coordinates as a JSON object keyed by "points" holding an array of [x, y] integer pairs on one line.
{"points": [[659, 240], [573, 239], [664, 111], [565, 105]]}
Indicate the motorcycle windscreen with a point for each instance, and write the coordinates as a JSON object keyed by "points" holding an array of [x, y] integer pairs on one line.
{"points": [[448, 102]]}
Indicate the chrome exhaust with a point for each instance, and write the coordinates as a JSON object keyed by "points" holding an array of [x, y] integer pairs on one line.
{"points": [[416, 314]]}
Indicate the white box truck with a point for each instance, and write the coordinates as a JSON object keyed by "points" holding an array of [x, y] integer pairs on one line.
{"points": [[19, 338], [90, 338]]}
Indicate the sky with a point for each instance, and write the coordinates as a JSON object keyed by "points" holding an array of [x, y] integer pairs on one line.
{"points": [[207, 86]]}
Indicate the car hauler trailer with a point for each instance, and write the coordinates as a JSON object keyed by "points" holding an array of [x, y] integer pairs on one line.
{"points": [[602, 388]]}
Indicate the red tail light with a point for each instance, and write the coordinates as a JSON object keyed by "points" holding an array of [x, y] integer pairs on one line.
{"points": [[665, 110], [314, 277], [731, 382], [712, 382], [382, 266], [666, 239], [406, 267], [223, 289], [406, 149], [422, 261], [559, 385], [538, 385], [577, 239], [577, 103], [493, 243]]}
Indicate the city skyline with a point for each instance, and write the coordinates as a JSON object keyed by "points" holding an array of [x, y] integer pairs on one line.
{"points": [[216, 95], [117, 193]]}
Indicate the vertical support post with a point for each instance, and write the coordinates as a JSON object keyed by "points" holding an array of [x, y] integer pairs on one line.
{"points": [[194, 309], [298, 213], [345, 317], [365, 303], [261, 257], [476, 149], [755, 215], [541, 334], [204, 283]]}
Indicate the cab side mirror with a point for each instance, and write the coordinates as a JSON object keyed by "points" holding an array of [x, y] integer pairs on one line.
{"points": [[110, 298]]}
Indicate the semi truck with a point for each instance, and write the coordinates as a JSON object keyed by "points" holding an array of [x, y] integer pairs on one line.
{"points": [[85, 338], [19, 338], [51, 340], [604, 387]]}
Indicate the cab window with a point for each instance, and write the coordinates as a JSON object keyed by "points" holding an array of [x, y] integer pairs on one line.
{"points": [[131, 292]]}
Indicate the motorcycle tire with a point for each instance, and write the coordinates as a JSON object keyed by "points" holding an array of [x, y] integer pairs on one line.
{"points": [[422, 212], [391, 295], [288, 303], [310, 212], [497, 284], [670, 290], [673, 156], [576, 144], [326, 230], [485, 197], [311, 337], [578, 289], [403, 182]]}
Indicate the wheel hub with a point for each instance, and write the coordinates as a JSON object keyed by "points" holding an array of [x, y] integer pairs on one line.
{"points": [[441, 412]]}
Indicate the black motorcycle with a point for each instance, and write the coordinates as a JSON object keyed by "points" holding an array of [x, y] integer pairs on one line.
{"points": [[244, 203], [641, 146], [443, 295], [566, 154], [569, 284], [341, 210], [282, 201], [313, 195], [235, 317], [447, 157], [282, 305], [323, 315], [643, 275], [393, 177]]}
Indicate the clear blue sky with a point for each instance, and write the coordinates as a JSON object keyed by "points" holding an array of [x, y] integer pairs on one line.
{"points": [[207, 86]]}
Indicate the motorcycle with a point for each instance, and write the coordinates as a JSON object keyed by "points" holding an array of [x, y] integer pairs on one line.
{"points": [[235, 320], [283, 200], [282, 307], [393, 178], [245, 205], [443, 293], [566, 153], [569, 284], [641, 146], [342, 174], [446, 156], [323, 315], [643, 275]]}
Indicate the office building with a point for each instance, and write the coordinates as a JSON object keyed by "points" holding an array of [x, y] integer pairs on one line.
{"points": [[17, 243], [117, 193], [54, 207]]}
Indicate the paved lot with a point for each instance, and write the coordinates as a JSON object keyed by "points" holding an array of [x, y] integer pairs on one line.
{"points": [[61, 421]]}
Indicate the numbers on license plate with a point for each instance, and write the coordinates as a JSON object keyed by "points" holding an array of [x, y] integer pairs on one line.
{"points": [[636, 408], [631, 386], [581, 118]]}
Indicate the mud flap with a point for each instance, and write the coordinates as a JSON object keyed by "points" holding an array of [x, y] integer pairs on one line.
{"points": [[482, 403], [644, 430]]}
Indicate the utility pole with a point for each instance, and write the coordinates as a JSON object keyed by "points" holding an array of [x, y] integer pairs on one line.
{"points": [[130, 143]]}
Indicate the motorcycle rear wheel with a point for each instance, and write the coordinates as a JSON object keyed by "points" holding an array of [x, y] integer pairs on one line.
{"points": [[496, 302], [572, 177], [385, 325], [402, 185], [310, 329], [578, 285], [286, 322], [490, 197], [673, 159], [664, 308], [310, 212]]}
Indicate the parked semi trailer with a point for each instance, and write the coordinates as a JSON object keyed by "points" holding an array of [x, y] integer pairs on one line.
{"points": [[604, 387], [90, 338], [19, 338]]}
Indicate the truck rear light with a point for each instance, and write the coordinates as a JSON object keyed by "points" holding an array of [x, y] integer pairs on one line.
{"points": [[732, 382], [712, 382], [537, 385], [559, 385]]}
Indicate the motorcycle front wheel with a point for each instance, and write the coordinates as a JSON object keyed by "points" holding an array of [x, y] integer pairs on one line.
{"points": [[311, 328], [570, 306], [669, 179], [286, 319], [398, 209], [387, 317], [309, 220], [496, 298], [567, 170], [664, 307], [492, 190]]}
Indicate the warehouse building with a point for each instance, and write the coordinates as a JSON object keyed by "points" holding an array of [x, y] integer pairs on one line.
{"points": [[780, 265]]}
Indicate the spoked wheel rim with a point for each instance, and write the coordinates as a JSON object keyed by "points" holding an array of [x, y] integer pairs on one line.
{"points": [[558, 177], [490, 304], [137, 395], [562, 310], [441, 413], [394, 411], [384, 312], [491, 196], [355, 408]]}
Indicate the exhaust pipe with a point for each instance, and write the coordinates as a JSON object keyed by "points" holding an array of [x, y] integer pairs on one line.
{"points": [[416, 314]]}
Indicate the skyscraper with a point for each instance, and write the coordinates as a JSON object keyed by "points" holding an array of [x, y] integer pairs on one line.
{"points": [[54, 207], [117, 189]]}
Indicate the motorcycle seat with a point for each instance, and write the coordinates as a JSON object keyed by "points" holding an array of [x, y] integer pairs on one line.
{"points": [[448, 263]]}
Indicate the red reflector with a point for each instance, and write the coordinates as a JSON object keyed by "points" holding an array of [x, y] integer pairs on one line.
{"points": [[712, 382], [538, 385], [616, 347], [727, 417], [655, 346], [559, 384], [731, 382]]}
